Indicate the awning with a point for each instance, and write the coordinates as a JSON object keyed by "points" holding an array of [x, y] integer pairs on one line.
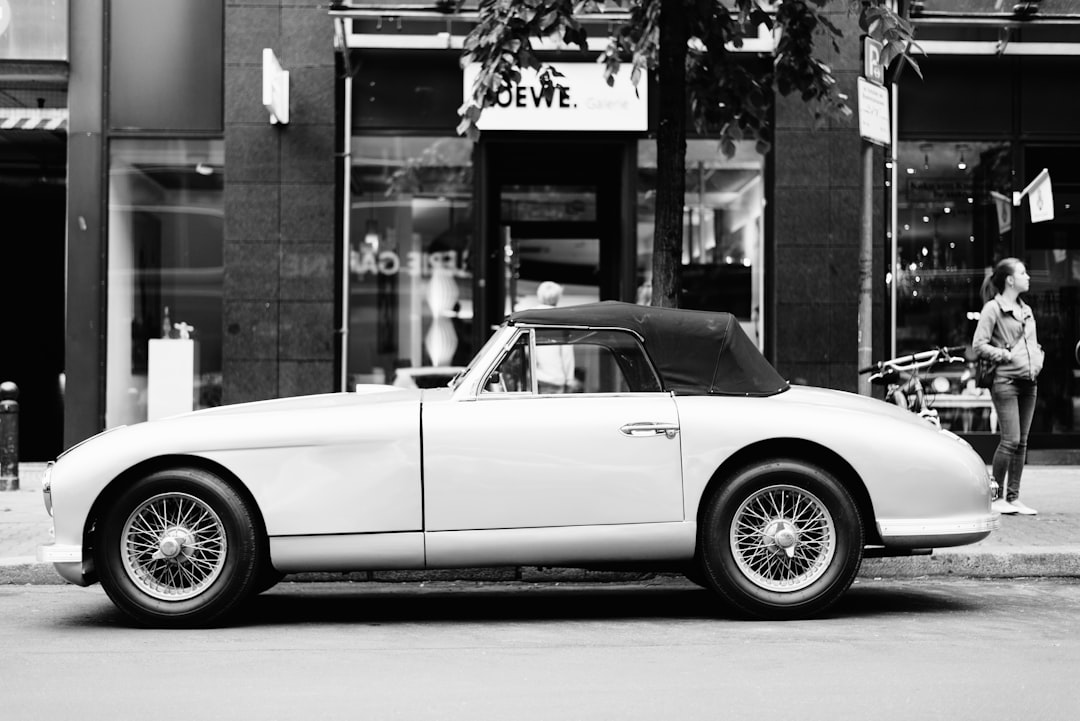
{"points": [[53, 119]]}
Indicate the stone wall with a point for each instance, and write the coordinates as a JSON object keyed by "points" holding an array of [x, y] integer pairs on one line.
{"points": [[279, 204], [816, 229]]}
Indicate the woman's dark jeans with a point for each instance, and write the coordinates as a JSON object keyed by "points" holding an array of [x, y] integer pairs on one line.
{"points": [[1014, 401]]}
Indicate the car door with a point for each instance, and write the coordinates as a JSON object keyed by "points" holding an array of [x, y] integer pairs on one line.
{"points": [[604, 451]]}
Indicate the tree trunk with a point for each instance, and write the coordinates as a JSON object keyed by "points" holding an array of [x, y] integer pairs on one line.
{"points": [[670, 156]]}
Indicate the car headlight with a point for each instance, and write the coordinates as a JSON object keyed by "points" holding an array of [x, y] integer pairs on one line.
{"points": [[46, 486]]}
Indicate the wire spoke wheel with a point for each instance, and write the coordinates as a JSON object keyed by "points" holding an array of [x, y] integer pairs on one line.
{"points": [[783, 538], [173, 546]]}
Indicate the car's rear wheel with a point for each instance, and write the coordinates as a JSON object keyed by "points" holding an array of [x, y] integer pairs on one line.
{"points": [[781, 540], [178, 548]]}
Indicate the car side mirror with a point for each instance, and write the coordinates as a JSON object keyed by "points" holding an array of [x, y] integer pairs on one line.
{"points": [[494, 383]]}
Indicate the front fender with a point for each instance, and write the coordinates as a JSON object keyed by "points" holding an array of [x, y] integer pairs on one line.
{"points": [[343, 467]]}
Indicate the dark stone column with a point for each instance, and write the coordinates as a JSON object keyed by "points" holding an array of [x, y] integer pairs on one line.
{"points": [[279, 212], [84, 350], [817, 187]]}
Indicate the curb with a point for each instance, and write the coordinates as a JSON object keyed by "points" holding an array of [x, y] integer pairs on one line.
{"points": [[1017, 563], [1014, 563]]}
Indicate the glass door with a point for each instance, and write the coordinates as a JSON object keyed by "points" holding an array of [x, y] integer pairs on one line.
{"points": [[550, 235], [554, 212]]}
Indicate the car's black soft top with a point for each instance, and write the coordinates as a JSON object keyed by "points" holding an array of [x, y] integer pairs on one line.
{"points": [[696, 352]]}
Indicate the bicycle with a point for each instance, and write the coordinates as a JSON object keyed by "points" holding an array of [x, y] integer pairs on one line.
{"points": [[902, 377]]}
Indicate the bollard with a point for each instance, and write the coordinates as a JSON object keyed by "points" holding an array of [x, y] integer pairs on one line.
{"points": [[9, 436]]}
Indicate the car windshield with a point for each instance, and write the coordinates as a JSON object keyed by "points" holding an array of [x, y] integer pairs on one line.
{"points": [[456, 380]]}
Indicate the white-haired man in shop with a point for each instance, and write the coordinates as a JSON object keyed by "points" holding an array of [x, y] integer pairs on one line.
{"points": [[554, 363]]}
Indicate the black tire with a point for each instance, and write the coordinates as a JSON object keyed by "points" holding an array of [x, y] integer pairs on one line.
{"points": [[178, 549], [781, 540]]}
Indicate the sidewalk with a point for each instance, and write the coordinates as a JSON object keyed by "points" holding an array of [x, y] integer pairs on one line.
{"points": [[1043, 545]]}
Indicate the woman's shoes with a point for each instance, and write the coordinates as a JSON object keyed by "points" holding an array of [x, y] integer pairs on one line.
{"points": [[1023, 509], [1003, 507], [1008, 507]]}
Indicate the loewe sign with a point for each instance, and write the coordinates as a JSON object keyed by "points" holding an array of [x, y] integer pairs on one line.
{"points": [[582, 101]]}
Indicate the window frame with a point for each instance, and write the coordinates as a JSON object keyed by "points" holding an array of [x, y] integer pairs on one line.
{"points": [[532, 330]]}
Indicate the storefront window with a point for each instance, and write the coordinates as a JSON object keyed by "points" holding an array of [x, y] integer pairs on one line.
{"points": [[992, 8], [723, 230], [954, 218], [164, 278], [411, 303], [1052, 255]]}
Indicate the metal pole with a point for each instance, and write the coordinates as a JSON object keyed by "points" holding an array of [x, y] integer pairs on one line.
{"points": [[9, 436], [346, 235], [866, 267], [894, 216]]}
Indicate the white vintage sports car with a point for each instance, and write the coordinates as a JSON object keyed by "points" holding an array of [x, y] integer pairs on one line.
{"points": [[677, 445]]}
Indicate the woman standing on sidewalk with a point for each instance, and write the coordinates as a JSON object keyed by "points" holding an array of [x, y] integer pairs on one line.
{"points": [[1006, 335]]}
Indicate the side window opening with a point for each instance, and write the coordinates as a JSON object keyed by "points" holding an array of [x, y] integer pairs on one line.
{"points": [[592, 361]]}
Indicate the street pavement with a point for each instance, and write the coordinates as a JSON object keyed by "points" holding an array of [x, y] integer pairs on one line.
{"points": [[1044, 545]]}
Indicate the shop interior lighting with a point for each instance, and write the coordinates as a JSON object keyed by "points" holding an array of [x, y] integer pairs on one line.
{"points": [[961, 164], [926, 148]]}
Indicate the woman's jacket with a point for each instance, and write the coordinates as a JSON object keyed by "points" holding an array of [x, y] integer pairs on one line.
{"points": [[1002, 327]]}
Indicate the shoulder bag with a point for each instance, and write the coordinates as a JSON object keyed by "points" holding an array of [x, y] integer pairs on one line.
{"points": [[985, 368]]}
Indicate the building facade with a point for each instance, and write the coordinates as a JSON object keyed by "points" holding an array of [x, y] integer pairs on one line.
{"points": [[193, 249]]}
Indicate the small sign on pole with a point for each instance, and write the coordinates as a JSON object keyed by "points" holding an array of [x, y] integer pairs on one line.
{"points": [[874, 113], [873, 70]]}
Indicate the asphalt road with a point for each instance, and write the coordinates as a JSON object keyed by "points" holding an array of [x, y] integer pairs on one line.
{"points": [[893, 649]]}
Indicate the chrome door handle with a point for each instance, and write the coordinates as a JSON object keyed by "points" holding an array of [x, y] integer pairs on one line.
{"points": [[648, 428]]}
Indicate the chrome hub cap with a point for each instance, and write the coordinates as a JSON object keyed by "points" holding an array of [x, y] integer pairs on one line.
{"points": [[783, 538], [173, 546]]}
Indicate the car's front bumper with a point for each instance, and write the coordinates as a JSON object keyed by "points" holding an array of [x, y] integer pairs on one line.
{"points": [[938, 533], [67, 560]]}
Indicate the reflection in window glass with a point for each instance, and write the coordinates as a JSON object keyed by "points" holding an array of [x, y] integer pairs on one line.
{"points": [[34, 30], [164, 274], [410, 297], [954, 218], [723, 232]]}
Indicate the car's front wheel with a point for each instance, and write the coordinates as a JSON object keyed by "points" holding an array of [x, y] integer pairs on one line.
{"points": [[178, 548], [781, 540]]}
